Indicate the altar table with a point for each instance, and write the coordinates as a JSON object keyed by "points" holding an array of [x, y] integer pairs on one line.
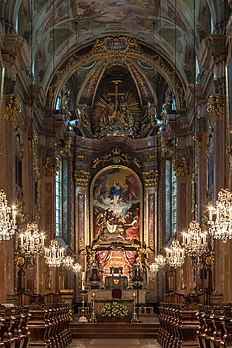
{"points": [[127, 294]]}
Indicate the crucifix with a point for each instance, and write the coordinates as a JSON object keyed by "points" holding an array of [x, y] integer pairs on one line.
{"points": [[116, 94]]}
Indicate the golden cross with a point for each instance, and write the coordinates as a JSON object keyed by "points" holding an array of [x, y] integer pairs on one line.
{"points": [[116, 94]]}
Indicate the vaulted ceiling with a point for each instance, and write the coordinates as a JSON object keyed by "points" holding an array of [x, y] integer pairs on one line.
{"points": [[60, 31]]}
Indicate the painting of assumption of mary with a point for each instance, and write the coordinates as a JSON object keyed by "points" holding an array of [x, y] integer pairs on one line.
{"points": [[116, 193]]}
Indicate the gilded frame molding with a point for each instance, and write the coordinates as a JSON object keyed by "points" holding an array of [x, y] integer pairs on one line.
{"points": [[118, 166]]}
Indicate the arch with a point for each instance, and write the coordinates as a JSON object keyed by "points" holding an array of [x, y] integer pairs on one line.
{"points": [[116, 191], [134, 50]]}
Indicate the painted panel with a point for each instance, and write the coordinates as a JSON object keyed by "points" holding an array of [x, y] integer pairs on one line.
{"points": [[116, 205]]}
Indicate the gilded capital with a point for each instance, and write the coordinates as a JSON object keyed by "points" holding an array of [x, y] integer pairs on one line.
{"points": [[181, 167], [216, 108], [151, 178], [82, 178], [50, 166], [11, 107]]}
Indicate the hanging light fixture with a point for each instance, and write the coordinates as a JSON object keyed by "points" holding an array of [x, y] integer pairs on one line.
{"points": [[175, 254], [159, 263], [31, 240], [76, 268], [54, 254], [154, 268], [220, 217], [195, 240], [7, 218], [68, 262]]}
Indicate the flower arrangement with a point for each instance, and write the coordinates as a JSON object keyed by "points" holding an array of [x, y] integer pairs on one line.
{"points": [[114, 310]]}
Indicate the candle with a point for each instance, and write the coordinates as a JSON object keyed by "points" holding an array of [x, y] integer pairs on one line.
{"points": [[83, 281], [210, 213]]}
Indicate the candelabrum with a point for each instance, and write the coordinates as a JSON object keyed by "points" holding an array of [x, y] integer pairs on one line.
{"points": [[31, 240], [220, 217], [54, 254], [134, 316], [93, 316], [7, 218], [195, 244], [83, 318], [175, 254]]}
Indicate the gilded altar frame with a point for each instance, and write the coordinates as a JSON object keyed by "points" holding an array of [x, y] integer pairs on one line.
{"points": [[140, 186]]}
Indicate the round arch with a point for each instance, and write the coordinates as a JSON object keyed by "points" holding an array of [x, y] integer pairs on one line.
{"points": [[100, 52]]}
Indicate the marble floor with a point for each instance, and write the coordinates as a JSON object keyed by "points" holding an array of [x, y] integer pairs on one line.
{"points": [[114, 343]]}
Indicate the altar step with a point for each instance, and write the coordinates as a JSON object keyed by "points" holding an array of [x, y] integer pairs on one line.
{"points": [[110, 330]]}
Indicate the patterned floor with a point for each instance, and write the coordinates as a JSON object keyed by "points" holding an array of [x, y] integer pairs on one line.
{"points": [[114, 343]]}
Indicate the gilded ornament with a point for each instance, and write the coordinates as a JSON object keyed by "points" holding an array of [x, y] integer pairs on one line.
{"points": [[32, 141], [116, 113], [82, 178], [181, 167], [68, 146], [50, 166], [151, 178], [116, 156], [216, 108], [81, 157], [11, 107], [115, 45]]}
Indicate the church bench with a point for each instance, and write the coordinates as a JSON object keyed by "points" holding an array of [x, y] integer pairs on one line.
{"points": [[178, 326]]}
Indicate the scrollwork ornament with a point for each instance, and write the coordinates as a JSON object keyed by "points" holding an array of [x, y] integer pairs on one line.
{"points": [[11, 107], [50, 166], [116, 156], [216, 108]]}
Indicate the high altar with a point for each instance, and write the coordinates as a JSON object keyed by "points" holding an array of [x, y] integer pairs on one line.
{"points": [[115, 192]]}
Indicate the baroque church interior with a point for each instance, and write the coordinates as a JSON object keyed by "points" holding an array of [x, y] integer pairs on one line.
{"points": [[116, 156]]}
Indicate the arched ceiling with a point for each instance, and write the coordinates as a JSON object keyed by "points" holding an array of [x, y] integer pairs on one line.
{"points": [[61, 25], [59, 31]]}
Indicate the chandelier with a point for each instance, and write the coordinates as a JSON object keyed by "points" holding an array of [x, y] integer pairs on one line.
{"points": [[76, 268], [54, 254], [68, 262], [194, 240], [154, 268], [7, 218], [31, 241], [159, 262], [220, 217], [175, 254]]}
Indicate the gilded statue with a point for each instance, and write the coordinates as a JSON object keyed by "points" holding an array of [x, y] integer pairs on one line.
{"points": [[116, 113]]}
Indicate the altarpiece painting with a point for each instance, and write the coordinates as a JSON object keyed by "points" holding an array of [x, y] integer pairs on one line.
{"points": [[116, 196]]}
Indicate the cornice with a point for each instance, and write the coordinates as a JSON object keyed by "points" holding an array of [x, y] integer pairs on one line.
{"points": [[211, 47], [15, 51]]}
